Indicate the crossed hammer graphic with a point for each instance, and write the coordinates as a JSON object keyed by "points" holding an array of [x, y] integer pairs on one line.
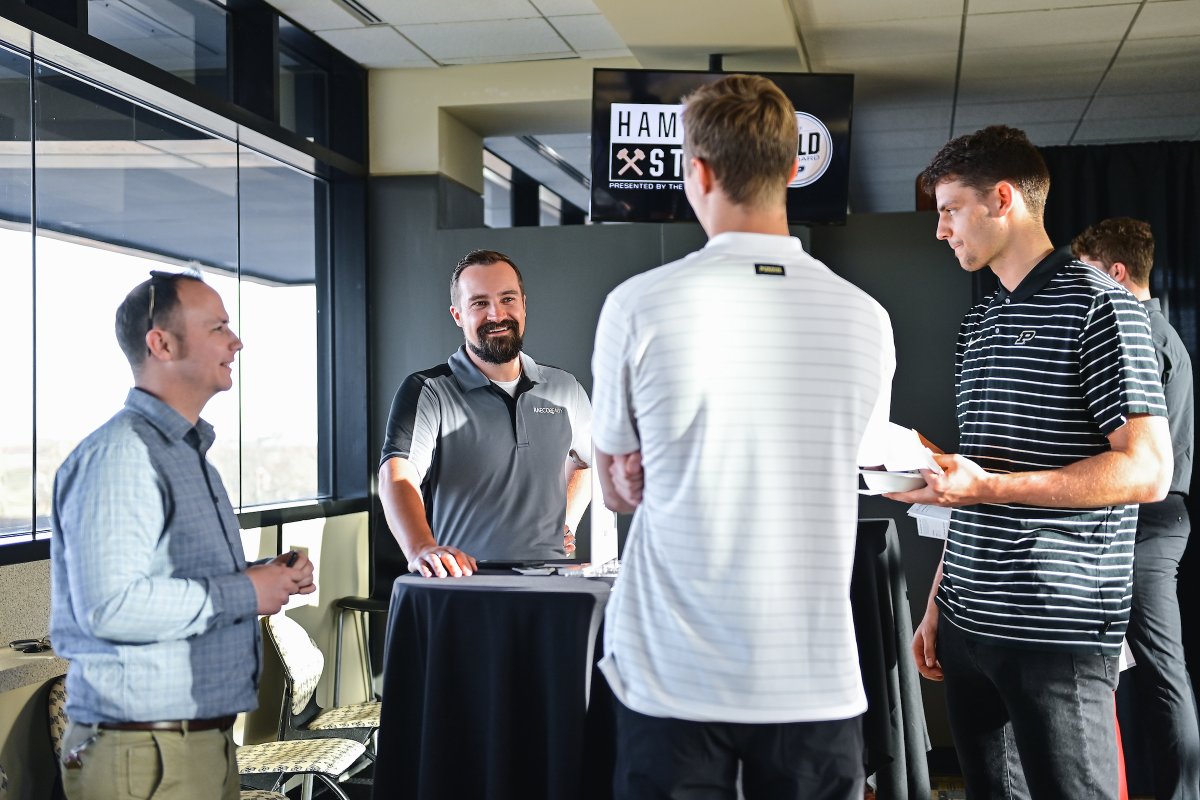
{"points": [[630, 163]]}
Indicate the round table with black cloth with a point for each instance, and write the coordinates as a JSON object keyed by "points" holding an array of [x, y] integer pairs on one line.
{"points": [[490, 688]]}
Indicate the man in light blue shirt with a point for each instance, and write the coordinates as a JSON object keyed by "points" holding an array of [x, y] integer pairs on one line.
{"points": [[153, 602]]}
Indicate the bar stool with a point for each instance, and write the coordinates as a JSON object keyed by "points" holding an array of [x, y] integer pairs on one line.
{"points": [[360, 607]]}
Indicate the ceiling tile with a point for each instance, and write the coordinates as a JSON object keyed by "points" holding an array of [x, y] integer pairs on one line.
{"points": [[377, 47], [1168, 19], [1007, 6], [1067, 109], [1167, 65], [558, 8], [822, 13], [1038, 62], [1137, 129], [919, 78], [423, 12], [883, 117], [924, 141], [1050, 29], [896, 39], [317, 15], [587, 32], [1143, 104], [1043, 134], [598, 54], [482, 42]]}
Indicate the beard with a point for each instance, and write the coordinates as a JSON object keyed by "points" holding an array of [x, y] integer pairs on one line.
{"points": [[497, 349]]}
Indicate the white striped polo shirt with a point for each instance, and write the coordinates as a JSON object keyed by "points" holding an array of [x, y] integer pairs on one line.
{"points": [[1044, 374], [747, 374]]}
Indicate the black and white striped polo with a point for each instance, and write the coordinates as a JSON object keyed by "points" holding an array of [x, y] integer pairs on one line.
{"points": [[1044, 374]]}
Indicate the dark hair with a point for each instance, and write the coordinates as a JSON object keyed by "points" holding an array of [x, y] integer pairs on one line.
{"points": [[1119, 239], [135, 317], [744, 128], [984, 158], [484, 258]]}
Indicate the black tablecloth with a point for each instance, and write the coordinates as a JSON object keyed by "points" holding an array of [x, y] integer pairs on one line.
{"points": [[485, 687], [486, 683], [894, 726]]}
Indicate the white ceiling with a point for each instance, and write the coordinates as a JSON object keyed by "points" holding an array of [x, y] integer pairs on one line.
{"points": [[1066, 71]]}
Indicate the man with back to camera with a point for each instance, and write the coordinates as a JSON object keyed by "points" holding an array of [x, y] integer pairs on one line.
{"points": [[486, 456], [1061, 431], [742, 379], [152, 600], [1123, 249]]}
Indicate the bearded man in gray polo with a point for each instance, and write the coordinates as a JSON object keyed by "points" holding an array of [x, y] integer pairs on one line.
{"points": [[486, 456]]}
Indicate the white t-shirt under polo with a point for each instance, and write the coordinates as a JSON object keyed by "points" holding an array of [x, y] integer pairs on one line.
{"points": [[747, 374]]}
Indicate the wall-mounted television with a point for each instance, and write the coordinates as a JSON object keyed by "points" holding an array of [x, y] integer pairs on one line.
{"points": [[637, 144]]}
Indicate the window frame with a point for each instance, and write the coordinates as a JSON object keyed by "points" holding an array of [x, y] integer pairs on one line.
{"points": [[47, 31]]}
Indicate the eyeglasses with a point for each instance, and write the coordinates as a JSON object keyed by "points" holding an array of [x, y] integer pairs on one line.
{"points": [[31, 645], [162, 275]]}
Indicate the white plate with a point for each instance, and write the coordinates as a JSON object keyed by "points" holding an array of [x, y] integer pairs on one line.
{"points": [[879, 482]]}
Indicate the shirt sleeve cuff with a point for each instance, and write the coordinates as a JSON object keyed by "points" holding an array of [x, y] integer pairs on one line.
{"points": [[233, 598]]}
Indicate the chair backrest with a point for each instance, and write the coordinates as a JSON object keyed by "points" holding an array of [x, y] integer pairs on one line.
{"points": [[302, 660], [56, 707]]}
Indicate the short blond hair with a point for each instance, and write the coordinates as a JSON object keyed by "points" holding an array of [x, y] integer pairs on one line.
{"points": [[744, 128]]}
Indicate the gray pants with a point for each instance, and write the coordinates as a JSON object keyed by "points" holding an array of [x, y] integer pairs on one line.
{"points": [[1028, 723], [1165, 703], [165, 765]]}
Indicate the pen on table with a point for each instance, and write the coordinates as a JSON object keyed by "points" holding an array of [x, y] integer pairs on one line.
{"points": [[291, 562]]}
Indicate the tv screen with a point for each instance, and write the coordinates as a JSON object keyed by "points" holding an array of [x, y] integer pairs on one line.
{"points": [[637, 144]]}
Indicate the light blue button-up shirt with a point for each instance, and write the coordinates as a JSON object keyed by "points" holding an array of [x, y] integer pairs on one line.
{"points": [[150, 602]]}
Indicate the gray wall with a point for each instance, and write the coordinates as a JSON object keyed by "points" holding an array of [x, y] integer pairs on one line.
{"points": [[568, 272]]}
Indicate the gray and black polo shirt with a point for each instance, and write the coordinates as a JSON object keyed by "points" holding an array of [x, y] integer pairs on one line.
{"points": [[491, 465], [1044, 374]]}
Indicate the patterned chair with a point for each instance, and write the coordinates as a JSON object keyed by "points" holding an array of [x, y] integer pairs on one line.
{"points": [[263, 767], [57, 709], [301, 717], [3, 783]]}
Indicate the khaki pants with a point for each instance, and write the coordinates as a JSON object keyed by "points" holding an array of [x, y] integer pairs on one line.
{"points": [[164, 765]]}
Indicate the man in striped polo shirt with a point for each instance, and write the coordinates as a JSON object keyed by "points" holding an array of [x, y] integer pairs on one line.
{"points": [[744, 377], [1061, 433], [1123, 249]]}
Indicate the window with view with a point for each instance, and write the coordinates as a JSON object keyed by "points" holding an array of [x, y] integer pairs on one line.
{"points": [[121, 189]]}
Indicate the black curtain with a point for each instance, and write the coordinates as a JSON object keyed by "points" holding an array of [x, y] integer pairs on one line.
{"points": [[1158, 182]]}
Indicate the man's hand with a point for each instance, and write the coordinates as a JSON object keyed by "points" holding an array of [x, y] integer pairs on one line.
{"points": [[275, 582], [306, 584], [628, 477], [442, 561], [568, 539], [962, 483], [924, 645]]}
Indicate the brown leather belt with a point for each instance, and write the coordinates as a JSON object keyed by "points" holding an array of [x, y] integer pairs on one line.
{"points": [[178, 725]]}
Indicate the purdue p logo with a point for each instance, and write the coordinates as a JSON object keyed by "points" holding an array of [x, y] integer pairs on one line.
{"points": [[1024, 337]]}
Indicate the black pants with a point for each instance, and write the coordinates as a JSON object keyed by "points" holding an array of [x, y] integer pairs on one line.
{"points": [[1028, 723], [673, 759], [1165, 703]]}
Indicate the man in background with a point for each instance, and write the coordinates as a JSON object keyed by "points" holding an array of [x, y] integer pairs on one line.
{"points": [[742, 380], [1062, 431], [1123, 249], [152, 600], [486, 456]]}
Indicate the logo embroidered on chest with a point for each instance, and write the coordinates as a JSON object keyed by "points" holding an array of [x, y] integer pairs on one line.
{"points": [[1024, 337], [546, 410]]}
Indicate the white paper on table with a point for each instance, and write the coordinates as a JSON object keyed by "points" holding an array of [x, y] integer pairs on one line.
{"points": [[932, 521], [897, 449]]}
